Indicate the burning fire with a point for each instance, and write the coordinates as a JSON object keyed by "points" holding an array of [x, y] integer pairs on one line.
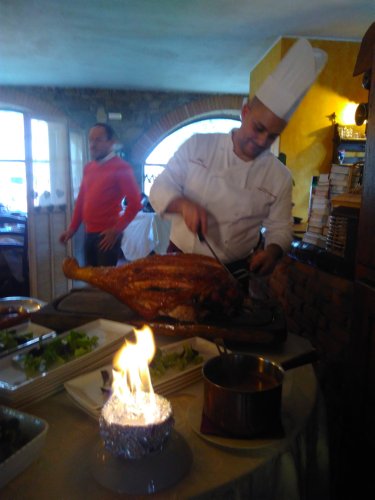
{"points": [[130, 365], [133, 401]]}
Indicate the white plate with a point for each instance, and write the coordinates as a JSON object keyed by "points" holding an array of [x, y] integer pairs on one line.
{"points": [[195, 417], [15, 387], [297, 398], [35, 429], [86, 389]]}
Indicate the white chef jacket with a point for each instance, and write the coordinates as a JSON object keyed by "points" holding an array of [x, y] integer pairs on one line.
{"points": [[241, 197]]}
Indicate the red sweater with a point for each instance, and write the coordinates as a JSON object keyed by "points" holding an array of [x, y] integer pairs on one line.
{"points": [[103, 187]]}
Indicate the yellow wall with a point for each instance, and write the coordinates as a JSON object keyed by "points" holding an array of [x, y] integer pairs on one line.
{"points": [[307, 140]]}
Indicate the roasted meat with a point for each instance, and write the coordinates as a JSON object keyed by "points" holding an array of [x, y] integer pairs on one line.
{"points": [[187, 287]]}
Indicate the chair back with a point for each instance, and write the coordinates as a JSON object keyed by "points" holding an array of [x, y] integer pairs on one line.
{"points": [[13, 249]]}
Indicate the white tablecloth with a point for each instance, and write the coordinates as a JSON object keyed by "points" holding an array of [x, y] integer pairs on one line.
{"points": [[294, 468], [147, 233]]}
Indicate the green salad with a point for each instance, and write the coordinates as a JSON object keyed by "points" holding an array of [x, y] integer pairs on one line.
{"points": [[11, 338], [57, 352], [178, 360]]}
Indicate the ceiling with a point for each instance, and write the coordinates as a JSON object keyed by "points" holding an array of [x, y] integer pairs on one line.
{"points": [[161, 45]]}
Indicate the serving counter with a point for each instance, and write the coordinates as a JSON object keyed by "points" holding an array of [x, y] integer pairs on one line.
{"points": [[293, 466]]}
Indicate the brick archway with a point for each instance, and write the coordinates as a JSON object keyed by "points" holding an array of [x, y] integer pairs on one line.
{"points": [[223, 105], [23, 102]]}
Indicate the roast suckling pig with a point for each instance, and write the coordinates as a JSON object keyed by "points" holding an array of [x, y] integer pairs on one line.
{"points": [[187, 287]]}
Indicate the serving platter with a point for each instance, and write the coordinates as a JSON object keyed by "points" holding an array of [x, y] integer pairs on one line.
{"points": [[19, 391], [86, 390]]}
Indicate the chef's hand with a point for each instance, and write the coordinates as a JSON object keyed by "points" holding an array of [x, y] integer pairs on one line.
{"points": [[108, 238], [194, 215], [264, 261]]}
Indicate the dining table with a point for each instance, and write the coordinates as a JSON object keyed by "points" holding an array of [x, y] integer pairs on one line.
{"points": [[292, 465]]}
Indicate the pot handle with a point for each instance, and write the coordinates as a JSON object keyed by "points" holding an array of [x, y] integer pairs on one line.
{"points": [[221, 347], [300, 360]]}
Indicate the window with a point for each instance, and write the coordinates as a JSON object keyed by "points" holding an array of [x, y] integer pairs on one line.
{"points": [[41, 162], [159, 157], [12, 162], [24, 161], [77, 160]]}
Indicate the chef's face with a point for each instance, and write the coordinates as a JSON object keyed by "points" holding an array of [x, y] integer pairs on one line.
{"points": [[100, 145], [260, 127]]}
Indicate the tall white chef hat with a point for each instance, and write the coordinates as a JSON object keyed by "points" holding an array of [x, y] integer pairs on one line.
{"points": [[283, 90]]}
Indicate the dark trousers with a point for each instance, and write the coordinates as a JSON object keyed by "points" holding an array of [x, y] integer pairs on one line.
{"points": [[94, 256]]}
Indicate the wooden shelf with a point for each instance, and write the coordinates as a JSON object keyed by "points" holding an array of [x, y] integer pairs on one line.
{"points": [[352, 200]]}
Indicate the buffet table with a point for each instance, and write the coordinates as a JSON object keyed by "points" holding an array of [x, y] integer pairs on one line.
{"points": [[292, 467]]}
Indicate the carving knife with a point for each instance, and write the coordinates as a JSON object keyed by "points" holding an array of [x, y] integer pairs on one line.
{"points": [[202, 239]]}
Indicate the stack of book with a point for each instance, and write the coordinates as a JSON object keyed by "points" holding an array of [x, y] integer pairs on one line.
{"points": [[319, 210], [325, 190], [340, 179]]}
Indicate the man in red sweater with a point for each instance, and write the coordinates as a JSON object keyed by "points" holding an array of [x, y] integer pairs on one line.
{"points": [[106, 181]]}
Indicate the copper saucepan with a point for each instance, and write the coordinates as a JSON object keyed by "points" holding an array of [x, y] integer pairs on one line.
{"points": [[242, 392]]}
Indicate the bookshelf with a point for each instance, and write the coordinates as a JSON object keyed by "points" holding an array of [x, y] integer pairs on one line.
{"points": [[345, 178], [341, 187], [348, 150], [319, 210]]}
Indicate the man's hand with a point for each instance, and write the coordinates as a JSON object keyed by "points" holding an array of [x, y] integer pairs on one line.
{"points": [[65, 236], [108, 238], [263, 262], [194, 215]]}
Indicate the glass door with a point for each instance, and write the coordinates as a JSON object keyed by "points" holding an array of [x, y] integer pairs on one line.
{"points": [[36, 180]]}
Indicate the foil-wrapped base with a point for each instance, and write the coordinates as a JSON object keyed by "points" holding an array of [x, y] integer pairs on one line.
{"points": [[134, 441], [153, 473]]}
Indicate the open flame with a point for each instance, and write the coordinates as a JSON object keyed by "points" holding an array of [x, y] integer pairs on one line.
{"points": [[133, 401], [135, 421], [131, 374]]}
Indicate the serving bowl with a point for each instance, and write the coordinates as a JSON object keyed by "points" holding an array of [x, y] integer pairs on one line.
{"points": [[34, 431]]}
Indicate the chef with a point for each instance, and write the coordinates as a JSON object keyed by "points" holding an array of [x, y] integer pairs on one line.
{"points": [[230, 187]]}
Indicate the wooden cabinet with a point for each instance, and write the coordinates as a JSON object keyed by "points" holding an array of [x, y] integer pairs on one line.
{"points": [[363, 351], [366, 241], [364, 323], [358, 440], [361, 385]]}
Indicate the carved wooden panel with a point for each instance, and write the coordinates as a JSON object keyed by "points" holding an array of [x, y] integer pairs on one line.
{"points": [[366, 239]]}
